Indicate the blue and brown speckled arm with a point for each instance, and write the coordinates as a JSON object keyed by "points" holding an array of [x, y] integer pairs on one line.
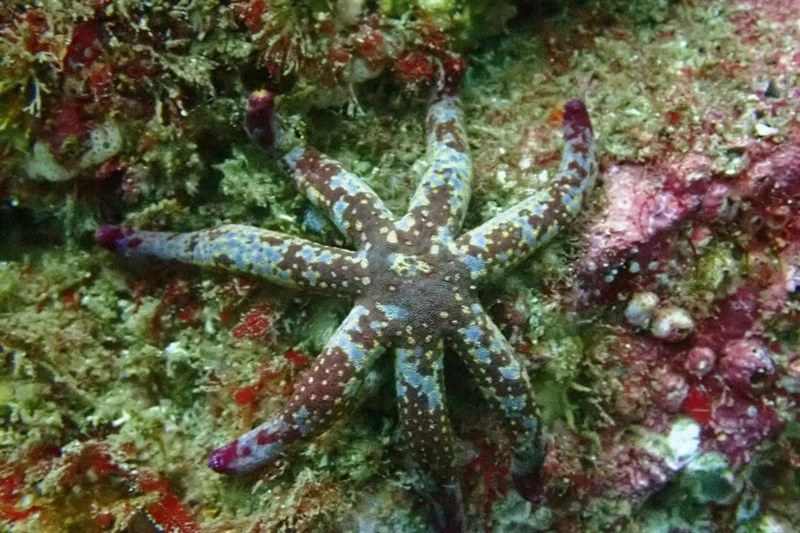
{"points": [[439, 204], [424, 421], [504, 382], [321, 395], [509, 238], [351, 204], [281, 259], [425, 424]]}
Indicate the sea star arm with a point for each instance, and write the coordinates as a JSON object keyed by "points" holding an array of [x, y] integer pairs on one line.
{"points": [[280, 258], [510, 237], [321, 395], [505, 383], [440, 201], [352, 205], [425, 425], [424, 421]]}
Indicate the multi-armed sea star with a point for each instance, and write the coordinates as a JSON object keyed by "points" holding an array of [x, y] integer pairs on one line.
{"points": [[414, 282]]}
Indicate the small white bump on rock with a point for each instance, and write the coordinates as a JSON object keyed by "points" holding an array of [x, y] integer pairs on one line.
{"points": [[671, 323], [640, 309]]}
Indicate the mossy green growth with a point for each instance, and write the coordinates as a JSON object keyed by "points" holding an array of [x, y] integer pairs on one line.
{"points": [[252, 183], [717, 269], [470, 21], [516, 515], [686, 503], [604, 514], [11, 283], [166, 213], [761, 497], [15, 124], [772, 483], [172, 165], [556, 341]]}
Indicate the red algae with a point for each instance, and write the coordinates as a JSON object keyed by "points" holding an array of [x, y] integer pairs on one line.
{"points": [[698, 406]]}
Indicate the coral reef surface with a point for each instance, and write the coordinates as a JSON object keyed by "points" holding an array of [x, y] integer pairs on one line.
{"points": [[660, 330]]}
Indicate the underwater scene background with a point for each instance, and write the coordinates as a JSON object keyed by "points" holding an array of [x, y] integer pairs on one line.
{"points": [[659, 328]]}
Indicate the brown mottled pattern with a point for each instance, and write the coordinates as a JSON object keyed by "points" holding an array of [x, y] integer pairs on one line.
{"points": [[440, 202], [500, 376], [512, 236], [360, 213], [424, 420]]}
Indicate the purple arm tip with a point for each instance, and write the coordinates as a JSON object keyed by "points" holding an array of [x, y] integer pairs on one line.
{"points": [[260, 121], [220, 459], [109, 237], [576, 117], [116, 238], [453, 69]]}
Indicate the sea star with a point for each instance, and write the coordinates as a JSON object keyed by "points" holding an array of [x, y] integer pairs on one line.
{"points": [[414, 283]]}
